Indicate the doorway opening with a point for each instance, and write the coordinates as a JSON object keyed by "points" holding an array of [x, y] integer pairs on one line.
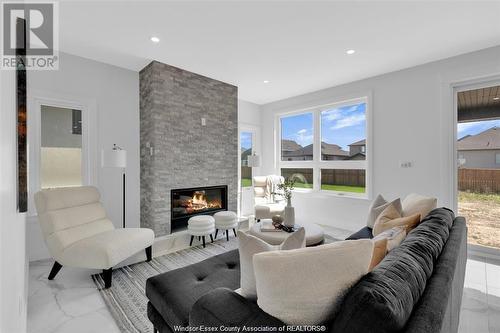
{"points": [[478, 164]]}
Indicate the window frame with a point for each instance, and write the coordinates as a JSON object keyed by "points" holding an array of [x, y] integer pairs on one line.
{"points": [[316, 163], [88, 109]]}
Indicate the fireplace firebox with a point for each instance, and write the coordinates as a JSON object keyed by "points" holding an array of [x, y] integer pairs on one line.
{"points": [[188, 202]]}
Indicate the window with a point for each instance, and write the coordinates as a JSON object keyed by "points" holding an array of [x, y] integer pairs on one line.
{"points": [[297, 137], [343, 180], [497, 158], [338, 164], [61, 147], [303, 177], [246, 144]]}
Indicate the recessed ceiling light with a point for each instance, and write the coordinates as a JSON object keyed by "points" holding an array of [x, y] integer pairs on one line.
{"points": [[155, 39], [266, 81], [496, 98], [350, 51]]}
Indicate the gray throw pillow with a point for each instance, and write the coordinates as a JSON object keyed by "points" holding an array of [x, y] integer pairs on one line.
{"points": [[377, 207], [250, 245]]}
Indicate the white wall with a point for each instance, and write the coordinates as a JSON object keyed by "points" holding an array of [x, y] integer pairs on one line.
{"points": [[249, 118], [412, 121], [13, 270], [114, 93]]}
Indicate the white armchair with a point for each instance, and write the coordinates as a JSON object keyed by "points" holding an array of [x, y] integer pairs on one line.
{"points": [[266, 203], [79, 234]]}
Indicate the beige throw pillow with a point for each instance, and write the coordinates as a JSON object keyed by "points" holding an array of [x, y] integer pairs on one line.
{"points": [[379, 252], [250, 245], [394, 237], [392, 217], [418, 204], [304, 286]]}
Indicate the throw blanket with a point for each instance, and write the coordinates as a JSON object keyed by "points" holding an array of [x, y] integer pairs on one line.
{"points": [[272, 182]]}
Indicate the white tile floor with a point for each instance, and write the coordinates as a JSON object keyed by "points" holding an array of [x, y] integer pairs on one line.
{"points": [[71, 302], [480, 311]]}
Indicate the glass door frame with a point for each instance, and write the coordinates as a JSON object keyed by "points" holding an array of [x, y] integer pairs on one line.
{"points": [[248, 190], [457, 87]]}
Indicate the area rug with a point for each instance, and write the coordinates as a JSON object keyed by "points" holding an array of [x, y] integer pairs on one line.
{"points": [[126, 299]]}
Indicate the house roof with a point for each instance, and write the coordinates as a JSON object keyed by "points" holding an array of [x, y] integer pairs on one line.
{"points": [[359, 143], [486, 140], [289, 145], [326, 149]]}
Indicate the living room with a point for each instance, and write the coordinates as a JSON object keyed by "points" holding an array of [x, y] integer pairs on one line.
{"points": [[166, 144]]}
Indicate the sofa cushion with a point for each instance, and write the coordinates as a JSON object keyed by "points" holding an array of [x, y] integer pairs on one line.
{"points": [[385, 297], [173, 293], [418, 204], [366, 232], [376, 207]]}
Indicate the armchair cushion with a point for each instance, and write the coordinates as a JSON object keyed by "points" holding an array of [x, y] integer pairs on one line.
{"points": [[106, 249]]}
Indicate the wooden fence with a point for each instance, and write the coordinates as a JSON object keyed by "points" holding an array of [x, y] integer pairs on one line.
{"points": [[345, 177], [479, 180]]}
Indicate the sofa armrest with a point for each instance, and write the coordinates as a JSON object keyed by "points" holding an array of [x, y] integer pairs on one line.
{"points": [[225, 307]]}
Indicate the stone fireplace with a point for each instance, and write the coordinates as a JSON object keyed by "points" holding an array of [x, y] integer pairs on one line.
{"points": [[189, 139], [188, 202]]}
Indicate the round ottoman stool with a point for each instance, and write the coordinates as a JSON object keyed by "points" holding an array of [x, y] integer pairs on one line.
{"points": [[201, 226], [226, 221]]}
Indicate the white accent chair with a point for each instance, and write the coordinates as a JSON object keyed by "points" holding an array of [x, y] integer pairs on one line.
{"points": [[201, 226], [266, 203], [225, 221], [79, 234]]}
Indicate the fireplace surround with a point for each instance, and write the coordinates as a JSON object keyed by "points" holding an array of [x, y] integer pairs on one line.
{"points": [[188, 202]]}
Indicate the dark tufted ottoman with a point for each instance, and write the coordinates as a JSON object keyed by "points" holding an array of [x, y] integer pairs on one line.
{"points": [[172, 294]]}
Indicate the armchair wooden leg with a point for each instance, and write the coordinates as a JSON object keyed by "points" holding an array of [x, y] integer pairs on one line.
{"points": [[227, 235], [149, 253], [234, 230], [216, 231], [203, 241], [211, 238], [55, 269], [107, 275], [191, 241]]}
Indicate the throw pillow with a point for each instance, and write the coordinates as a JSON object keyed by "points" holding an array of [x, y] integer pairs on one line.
{"points": [[376, 207], [305, 286], [250, 245], [379, 252], [392, 217], [418, 204], [394, 237]]}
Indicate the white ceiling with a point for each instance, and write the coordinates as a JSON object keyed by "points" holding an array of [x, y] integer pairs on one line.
{"points": [[298, 46]]}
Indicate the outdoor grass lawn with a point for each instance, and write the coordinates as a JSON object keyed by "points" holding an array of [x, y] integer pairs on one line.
{"points": [[343, 188], [303, 185], [246, 182]]}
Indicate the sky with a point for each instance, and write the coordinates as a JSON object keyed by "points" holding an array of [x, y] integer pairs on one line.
{"points": [[246, 140], [341, 126], [475, 127]]}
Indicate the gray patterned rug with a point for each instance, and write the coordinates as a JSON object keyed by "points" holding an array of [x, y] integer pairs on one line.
{"points": [[126, 299]]}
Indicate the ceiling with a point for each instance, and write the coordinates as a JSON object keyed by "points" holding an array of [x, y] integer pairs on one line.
{"points": [[298, 46]]}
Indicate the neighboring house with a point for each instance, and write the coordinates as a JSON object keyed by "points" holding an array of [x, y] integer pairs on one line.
{"points": [[357, 150], [480, 151], [244, 156], [329, 151]]}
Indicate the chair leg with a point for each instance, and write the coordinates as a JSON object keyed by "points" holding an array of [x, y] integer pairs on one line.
{"points": [[199, 238], [227, 235], [216, 231], [55, 269], [234, 230], [203, 241], [191, 241], [211, 238], [149, 253], [258, 220], [107, 275]]}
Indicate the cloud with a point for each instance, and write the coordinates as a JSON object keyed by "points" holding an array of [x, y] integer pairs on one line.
{"points": [[302, 131], [476, 127], [338, 113], [349, 121]]}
